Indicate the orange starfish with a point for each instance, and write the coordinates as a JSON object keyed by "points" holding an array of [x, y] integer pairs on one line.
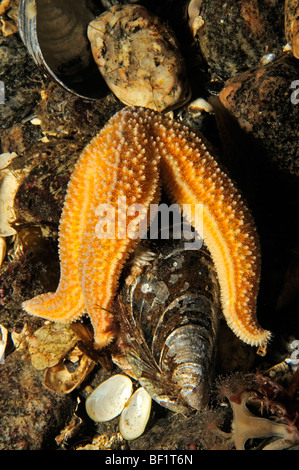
{"points": [[123, 163]]}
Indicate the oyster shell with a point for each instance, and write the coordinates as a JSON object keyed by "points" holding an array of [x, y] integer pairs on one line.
{"points": [[168, 315], [54, 33], [139, 58]]}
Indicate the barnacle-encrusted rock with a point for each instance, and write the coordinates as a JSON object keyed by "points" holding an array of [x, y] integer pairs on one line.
{"points": [[139, 58], [40, 196], [234, 36]]}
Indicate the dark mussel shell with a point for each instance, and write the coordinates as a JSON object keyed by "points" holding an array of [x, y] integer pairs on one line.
{"points": [[55, 35], [169, 322]]}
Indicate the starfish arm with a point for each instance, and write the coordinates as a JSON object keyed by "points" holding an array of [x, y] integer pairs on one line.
{"points": [[127, 183], [192, 176], [67, 303]]}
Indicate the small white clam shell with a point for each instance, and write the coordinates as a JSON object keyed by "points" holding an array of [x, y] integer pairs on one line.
{"points": [[135, 416], [108, 400]]}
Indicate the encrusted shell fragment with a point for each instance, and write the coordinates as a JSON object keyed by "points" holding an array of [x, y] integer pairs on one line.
{"points": [[10, 180], [6, 159], [8, 14], [139, 58], [103, 441], [108, 400], [69, 374], [50, 343], [135, 415]]}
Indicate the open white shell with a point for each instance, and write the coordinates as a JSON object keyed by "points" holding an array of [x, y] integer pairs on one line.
{"points": [[135, 415], [108, 400]]}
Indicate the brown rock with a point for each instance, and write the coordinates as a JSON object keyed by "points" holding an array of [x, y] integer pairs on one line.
{"points": [[236, 35], [31, 415]]}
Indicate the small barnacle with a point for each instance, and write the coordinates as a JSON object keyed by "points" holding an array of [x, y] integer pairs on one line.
{"points": [[194, 18]]}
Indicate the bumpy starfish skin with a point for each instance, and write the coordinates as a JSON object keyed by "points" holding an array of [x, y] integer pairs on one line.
{"points": [[125, 160], [119, 161], [191, 174], [127, 167], [61, 306]]}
